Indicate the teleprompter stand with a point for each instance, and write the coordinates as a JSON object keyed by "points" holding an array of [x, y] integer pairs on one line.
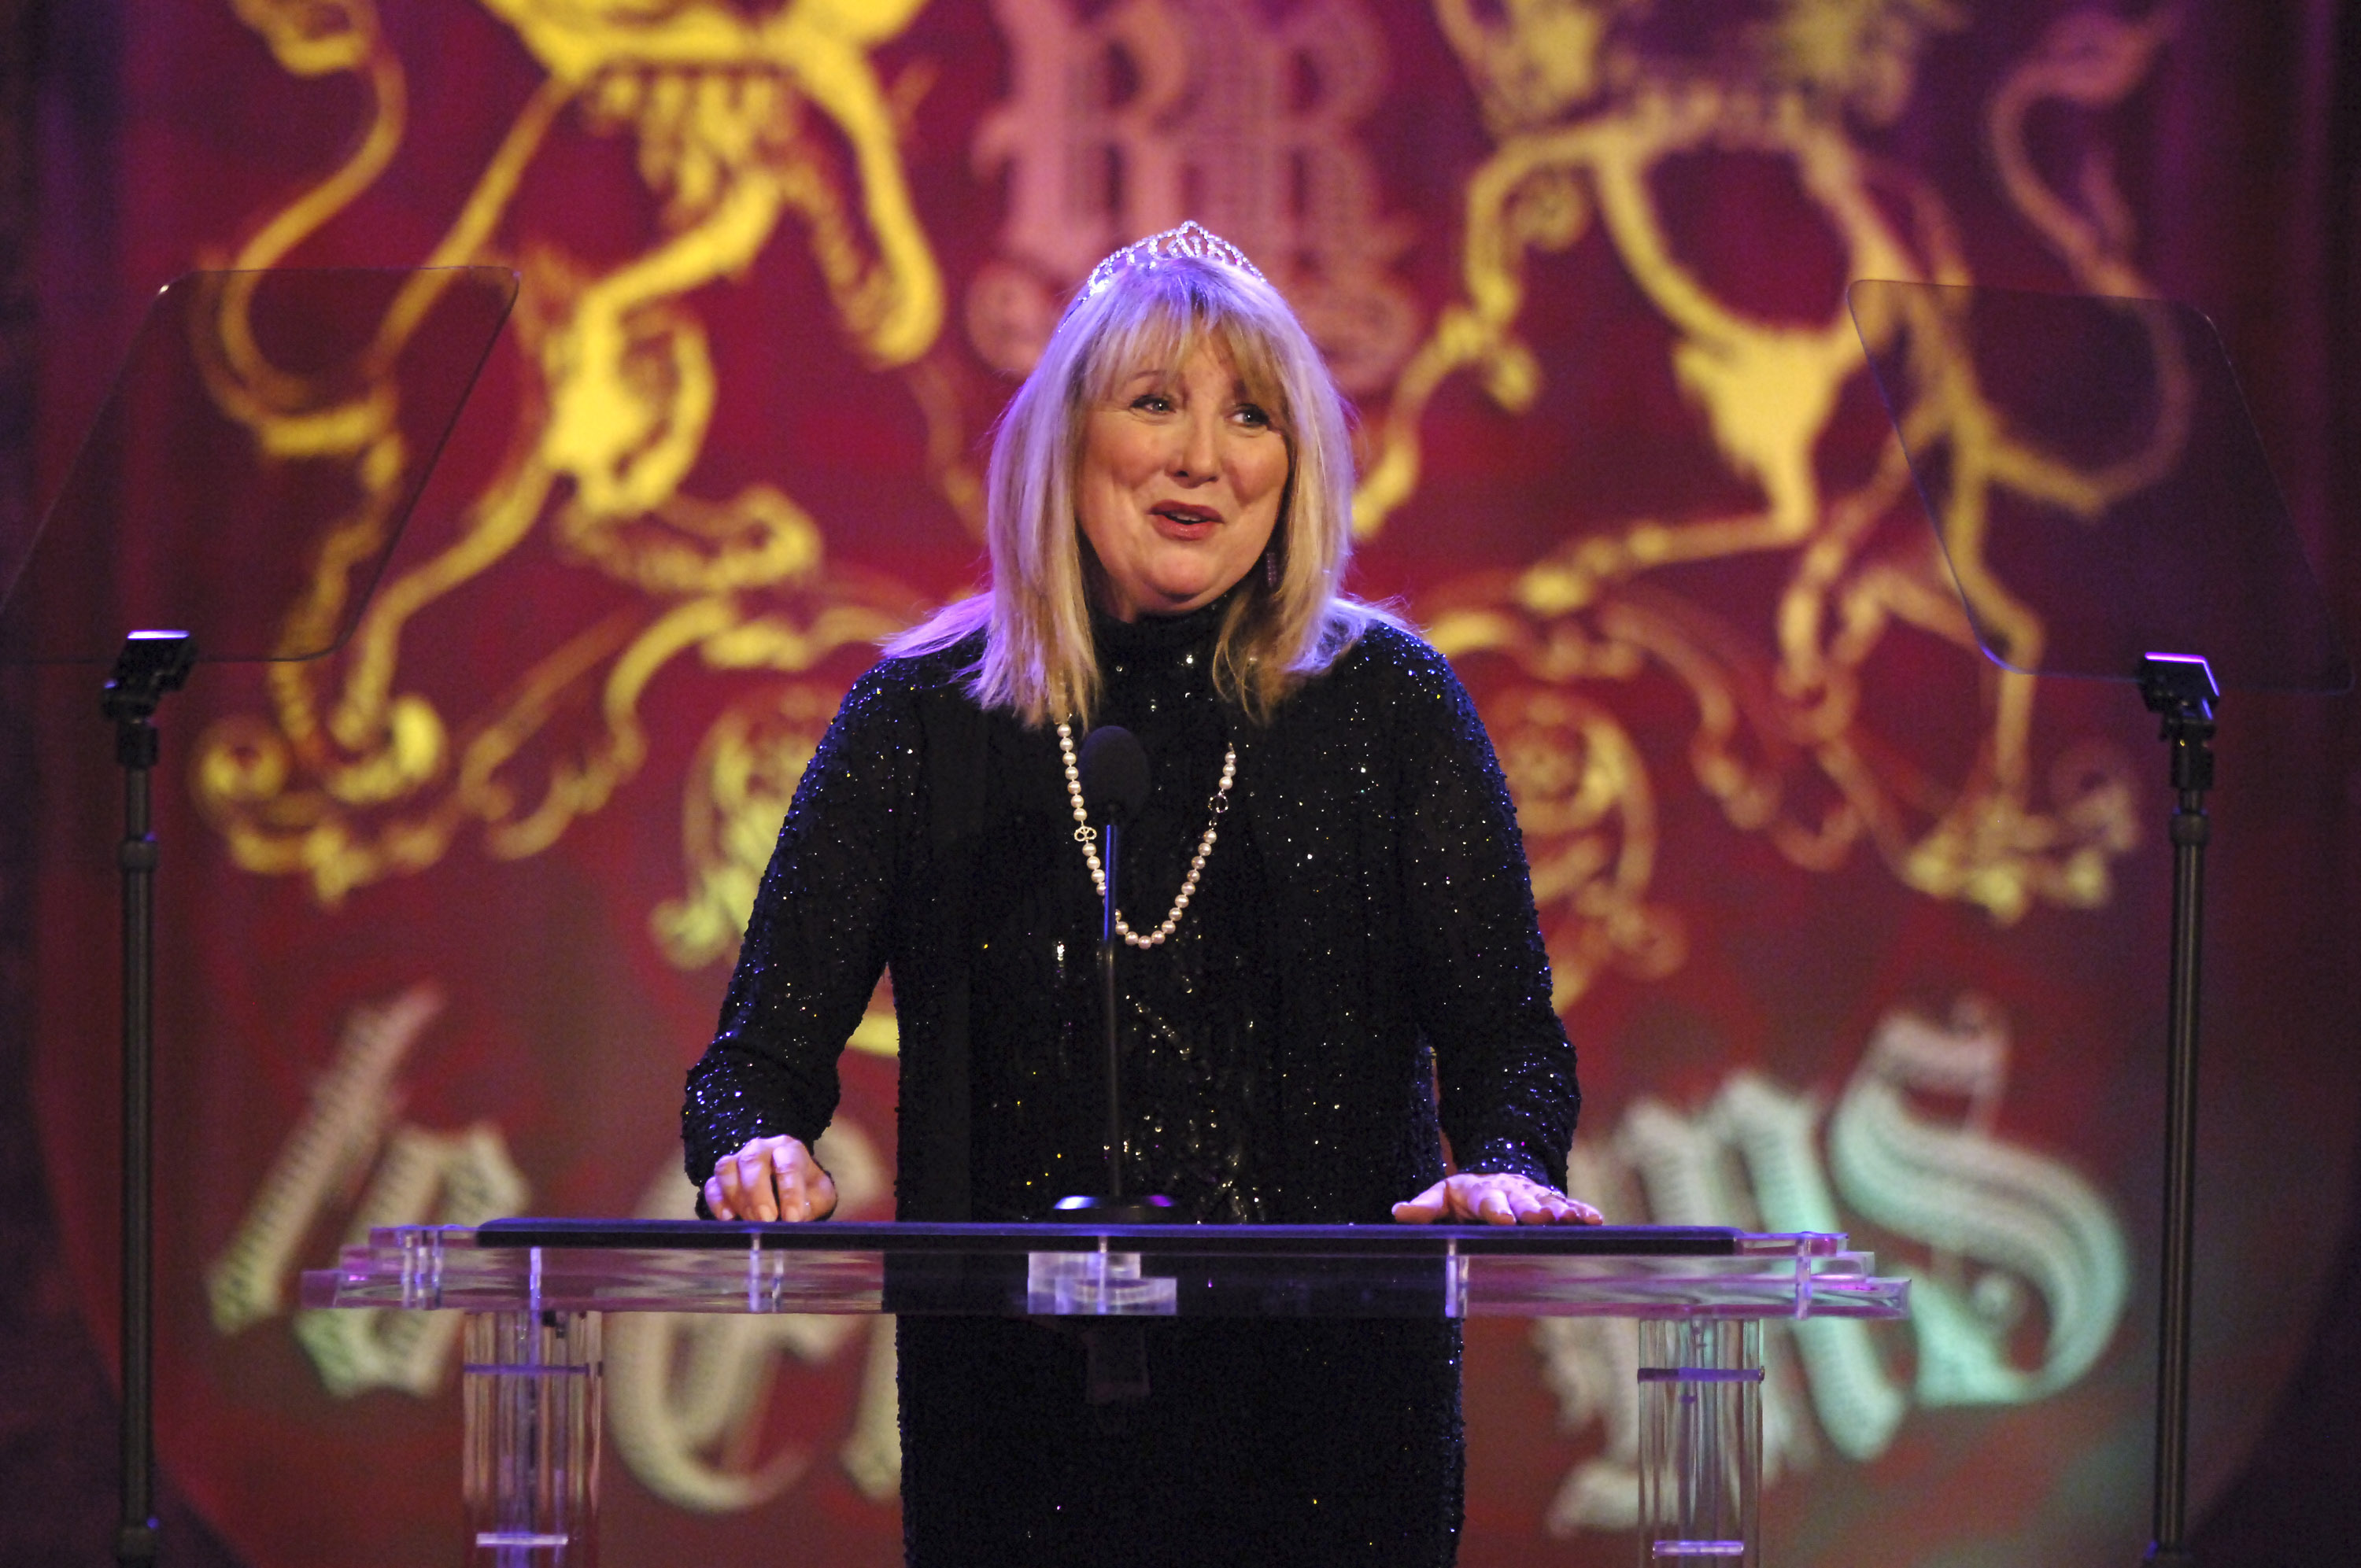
{"points": [[153, 663], [2181, 689], [176, 514], [2142, 540]]}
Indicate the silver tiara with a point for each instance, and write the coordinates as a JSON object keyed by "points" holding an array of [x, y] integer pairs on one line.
{"points": [[1191, 239]]}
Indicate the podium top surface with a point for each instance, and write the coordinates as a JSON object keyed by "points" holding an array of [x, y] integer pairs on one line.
{"points": [[915, 1238], [1084, 1269]]}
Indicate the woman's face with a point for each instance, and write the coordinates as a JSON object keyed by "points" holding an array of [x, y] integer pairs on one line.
{"points": [[1178, 485]]}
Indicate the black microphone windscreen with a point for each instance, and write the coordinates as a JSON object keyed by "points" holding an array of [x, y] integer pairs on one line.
{"points": [[1115, 775]]}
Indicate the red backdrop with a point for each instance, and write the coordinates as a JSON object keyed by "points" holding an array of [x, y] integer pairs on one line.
{"points": [[1851, 931]]}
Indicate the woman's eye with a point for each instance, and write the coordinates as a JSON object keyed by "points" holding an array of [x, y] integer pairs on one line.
{"points": [[1253, 417], [1152, 402]]}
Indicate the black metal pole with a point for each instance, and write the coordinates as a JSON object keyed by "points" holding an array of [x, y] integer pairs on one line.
{"points": [[136, 1540], [1110, 942], [153, 663], [2188, 729]]}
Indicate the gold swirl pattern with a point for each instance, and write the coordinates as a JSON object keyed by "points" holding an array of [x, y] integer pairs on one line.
{"points": [[1588, 109], [734, 120], [740, 124]]}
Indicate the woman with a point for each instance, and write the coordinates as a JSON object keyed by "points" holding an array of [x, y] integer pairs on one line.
{"points": [[1350, 927]]}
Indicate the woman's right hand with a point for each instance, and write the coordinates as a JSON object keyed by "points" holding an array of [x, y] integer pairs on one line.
{"points": [[770, 1179]]}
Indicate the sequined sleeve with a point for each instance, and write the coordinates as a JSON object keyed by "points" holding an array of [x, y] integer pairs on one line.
{"points": [[819, 936], [1480, 977]]}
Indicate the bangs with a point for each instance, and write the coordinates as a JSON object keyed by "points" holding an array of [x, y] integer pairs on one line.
{"points": [[1156, 321]]}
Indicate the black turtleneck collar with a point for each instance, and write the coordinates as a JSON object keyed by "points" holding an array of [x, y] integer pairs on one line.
{"points": [[1153, 634]]}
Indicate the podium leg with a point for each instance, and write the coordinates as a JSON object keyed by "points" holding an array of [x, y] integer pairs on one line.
{"points": [[531, 1401], [1700, 1441]]}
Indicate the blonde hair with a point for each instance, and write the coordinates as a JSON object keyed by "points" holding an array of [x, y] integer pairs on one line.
{"points": [[1038, 659]]}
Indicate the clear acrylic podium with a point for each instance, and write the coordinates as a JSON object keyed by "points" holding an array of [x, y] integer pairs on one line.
{"points": [[535, 1292]]}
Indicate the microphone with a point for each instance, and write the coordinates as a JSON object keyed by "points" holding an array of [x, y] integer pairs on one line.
{"points": [[1113, 766]]}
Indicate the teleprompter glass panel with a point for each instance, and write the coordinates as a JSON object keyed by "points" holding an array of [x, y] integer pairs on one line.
{"points": [[2097, 484], [254, 462]]}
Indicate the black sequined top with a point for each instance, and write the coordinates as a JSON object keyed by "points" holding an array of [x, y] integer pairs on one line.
{"points": [[1363, 933]]}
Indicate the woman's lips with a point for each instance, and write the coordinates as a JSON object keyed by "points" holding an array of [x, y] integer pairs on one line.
{"points": [[1176, 521]]}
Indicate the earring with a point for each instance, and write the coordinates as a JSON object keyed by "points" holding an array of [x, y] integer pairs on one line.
{"points": [[1270, 568]]}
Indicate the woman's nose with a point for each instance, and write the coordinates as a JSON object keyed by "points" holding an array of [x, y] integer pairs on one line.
{"points": [[1196, 455]]}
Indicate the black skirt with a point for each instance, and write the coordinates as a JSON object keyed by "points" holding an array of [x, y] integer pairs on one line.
{"points": [[1303, 1441]]}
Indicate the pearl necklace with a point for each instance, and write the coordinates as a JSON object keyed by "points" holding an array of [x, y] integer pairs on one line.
{"points": [[1088, 837]]}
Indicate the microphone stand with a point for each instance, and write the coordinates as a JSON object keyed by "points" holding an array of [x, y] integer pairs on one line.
{"points": [[2181, 689], [153, 663], [1110, 942], [1115, 780], [1113, 770]]}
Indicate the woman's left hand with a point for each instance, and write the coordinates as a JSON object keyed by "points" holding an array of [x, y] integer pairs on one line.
{"points": [[1468, 1200]]}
